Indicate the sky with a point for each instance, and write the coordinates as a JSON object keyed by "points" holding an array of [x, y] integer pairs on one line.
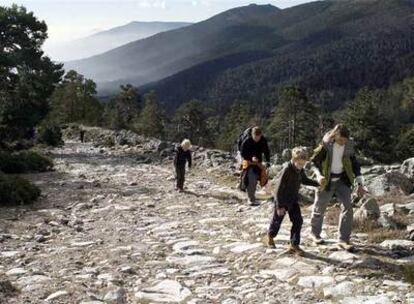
{"points": [[68, 20]]}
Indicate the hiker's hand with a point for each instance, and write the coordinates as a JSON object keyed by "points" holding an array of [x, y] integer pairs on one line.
{"points": [[254, 159], [361, 191], [322, 182], [330, 135], [281, 211]]}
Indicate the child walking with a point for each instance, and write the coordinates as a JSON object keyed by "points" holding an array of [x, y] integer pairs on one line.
{"points": [[287, 199], [182, 156]]}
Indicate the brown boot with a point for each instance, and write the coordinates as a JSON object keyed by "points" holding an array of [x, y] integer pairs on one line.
{"points": [[344, 245], [296, 250], [270, 242]]}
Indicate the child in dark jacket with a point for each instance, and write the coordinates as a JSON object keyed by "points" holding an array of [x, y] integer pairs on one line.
{"points": [[182, 156], [287, 199]]}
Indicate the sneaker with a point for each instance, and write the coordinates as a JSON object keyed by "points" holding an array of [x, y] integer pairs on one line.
{"points": [[270, 242], [317, 239], [343, 245], [296, 250]]}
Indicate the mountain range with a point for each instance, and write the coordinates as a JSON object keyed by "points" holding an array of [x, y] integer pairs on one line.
{"points": [[104, 41], [332, 47]]}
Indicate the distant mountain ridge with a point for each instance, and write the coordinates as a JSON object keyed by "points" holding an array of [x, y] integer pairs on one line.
{"points": [[337, 48], [169, 52], [106, 40]]}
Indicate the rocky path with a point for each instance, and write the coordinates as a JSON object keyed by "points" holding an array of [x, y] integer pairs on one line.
{"points": [[110, 231]]}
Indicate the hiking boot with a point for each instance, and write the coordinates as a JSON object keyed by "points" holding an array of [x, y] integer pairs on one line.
{"points": [[270, 242], [296, 250], [343, 245], [317, 240], [252, 203]]}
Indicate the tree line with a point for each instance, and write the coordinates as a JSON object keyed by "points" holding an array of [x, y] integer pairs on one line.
{"points": [[381, 120]]}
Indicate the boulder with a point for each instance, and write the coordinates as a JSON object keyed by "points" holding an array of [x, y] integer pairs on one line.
{"points": [[407, 168], [387, 222], [410, 230], [117, 296], [307, 194], [390, 182], [369, 210], [274, 170], [375, 170], [388, 209], [165, 291], [286, 155], [365, 161]]}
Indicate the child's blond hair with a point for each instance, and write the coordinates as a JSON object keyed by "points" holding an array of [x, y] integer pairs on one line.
{"points": [[186, 144], [300, 153]]}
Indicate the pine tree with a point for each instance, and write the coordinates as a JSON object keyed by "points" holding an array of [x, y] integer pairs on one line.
{"points": [[369, 126], [190, 122], [235, 122], [405, 146], [74, 100], [27, 77], [295, 122], [151, 121], [128, 104], [122, 112], [408, 100]]}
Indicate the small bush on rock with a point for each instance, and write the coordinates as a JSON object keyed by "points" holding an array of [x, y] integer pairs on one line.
{"points": [[24, 162], [50, 134], [16, 190]]}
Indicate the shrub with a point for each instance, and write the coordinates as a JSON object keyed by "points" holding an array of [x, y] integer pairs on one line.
{"points": [[24, 162], [16, 190], [50, 134]]}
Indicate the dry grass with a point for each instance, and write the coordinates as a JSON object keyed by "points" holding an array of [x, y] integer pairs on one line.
{"points": [[378, 234], [408, 271], [392, 198], [381, 234]]}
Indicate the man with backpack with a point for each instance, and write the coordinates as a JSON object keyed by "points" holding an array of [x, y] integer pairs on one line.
{"points": [[252, 148]]}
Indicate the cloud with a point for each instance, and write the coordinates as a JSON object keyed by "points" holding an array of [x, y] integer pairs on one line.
{"points": [[201, 2], [153, 4]]}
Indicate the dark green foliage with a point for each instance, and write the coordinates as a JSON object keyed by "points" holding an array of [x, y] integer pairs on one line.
{"points": [[405, 144], [295, 121], [369, 125], [151, 121], [337, 48], [190, 121], [408, 99], [27, 78], [122, 111], [24, 162], [233, 124], [49, 134], [75, 101], [16, 190]]}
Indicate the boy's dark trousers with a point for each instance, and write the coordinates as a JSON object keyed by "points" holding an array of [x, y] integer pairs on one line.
{"points": [[180, 176], [295, 216]]}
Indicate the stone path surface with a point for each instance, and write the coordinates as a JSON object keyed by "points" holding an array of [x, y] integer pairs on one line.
{"points": [[109, 230]]}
